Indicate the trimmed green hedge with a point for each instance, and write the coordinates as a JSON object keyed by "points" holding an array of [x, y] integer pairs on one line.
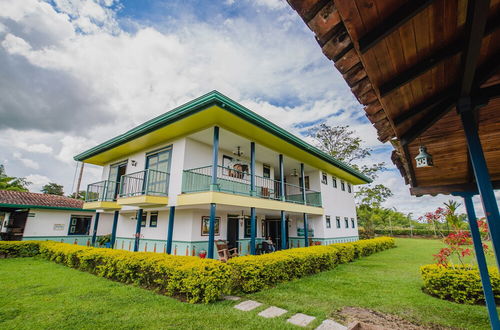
{"points": [[194, 279], [461, 284], [254, 273], [15, 249], [408, 232]]}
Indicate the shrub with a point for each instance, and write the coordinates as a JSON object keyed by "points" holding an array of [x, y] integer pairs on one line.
{"points": [[191, 278], [254, 273], [461, 284], [13, 249]]}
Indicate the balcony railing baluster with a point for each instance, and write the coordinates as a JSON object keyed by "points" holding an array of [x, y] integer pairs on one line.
{"points": [[237, 182]]}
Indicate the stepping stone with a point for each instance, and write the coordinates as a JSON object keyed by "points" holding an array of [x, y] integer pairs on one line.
{"points": [[272, 312], [331, 325], [247, 305], [232, 298], [302, 320]]}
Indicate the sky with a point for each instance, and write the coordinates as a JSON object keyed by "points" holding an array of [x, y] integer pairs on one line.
{"points": [[74, 73]]}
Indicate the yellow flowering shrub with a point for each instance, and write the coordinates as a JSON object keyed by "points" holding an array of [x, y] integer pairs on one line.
{"points": [[191, 278], [461, 284], [14, 249], [254, 273]]}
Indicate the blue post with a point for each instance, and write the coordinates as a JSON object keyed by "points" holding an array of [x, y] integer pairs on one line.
{"points": [[138, 230], [170, 232], [283, 231], [96, 223], [211, 231], [282, 178], [481, 261], [215, 159], [483, 179], [113, 229], [253, 221], [304, 198]]}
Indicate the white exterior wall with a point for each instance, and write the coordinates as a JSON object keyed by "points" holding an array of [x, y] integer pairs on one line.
{"points": [[42, 224]]}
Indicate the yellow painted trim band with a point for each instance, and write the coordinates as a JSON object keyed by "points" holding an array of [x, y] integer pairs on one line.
{"points": [[144, 200], [101, 206], [245, 201]]}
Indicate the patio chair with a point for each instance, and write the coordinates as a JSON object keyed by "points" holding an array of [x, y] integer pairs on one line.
{"points": [[224, 253]]}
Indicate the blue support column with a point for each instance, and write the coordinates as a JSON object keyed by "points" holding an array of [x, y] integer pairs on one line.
{"points": [[253, 221], [283, 231], [96, 224], [304, 199], [170, 231], [215, 159], [113, 229], [138, 230], [282, 178], [483, 179], [481, 261], [211, 231]]}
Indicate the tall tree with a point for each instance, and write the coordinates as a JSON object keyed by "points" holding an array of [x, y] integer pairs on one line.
{"points": [[81, 195], [342, 143], [12, 183], [53, 188]]}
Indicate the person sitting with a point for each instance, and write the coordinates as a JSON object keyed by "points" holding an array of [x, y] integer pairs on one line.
{"points": [[270, 245]]}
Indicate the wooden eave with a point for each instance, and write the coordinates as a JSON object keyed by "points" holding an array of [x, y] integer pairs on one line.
{"points": [[403, 60]]}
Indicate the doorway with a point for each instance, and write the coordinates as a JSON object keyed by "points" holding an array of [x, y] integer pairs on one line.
{"points": [[13, 229], [116, 172], [232, 231], [273, 229]]}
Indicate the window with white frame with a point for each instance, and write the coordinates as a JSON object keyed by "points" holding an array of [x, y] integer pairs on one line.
{"points": [[349, 188], [328, 223], [342, 185], [353, 223], [153, 219], [346, 219], [334, 182], [337, 219]]}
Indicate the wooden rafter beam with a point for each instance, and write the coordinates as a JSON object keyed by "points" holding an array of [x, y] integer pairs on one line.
{"points": [[489, 93], [402, 15], [475, 24], [432, 60], [448, 189]]}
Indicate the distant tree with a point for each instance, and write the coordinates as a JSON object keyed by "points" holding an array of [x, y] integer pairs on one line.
{"points": [[342, 143], [52, 188], [81, 195], [12, 183]]}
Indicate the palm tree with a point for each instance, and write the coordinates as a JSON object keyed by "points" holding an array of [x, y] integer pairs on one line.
{"points": [[12, 183]]}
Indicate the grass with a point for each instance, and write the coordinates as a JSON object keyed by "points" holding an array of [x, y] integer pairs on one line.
{"points": [[388, 282], [36, 293]]}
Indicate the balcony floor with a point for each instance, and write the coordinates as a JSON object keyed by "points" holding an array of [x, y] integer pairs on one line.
{"points": [[245, 201], [143, 201], [101, 205]]}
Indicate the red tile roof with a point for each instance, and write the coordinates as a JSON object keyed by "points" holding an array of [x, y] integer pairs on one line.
{"points": [[38, 199]]}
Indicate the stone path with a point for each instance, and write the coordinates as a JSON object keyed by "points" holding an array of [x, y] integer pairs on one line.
{"points": [[299, 319]]}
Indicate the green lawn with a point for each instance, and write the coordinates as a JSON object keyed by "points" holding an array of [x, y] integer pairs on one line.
{"points": [[35, 293]]}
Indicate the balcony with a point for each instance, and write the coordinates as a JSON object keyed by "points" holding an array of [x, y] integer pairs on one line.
{"points": [[102, 195], [234, 182], [144, 188]]}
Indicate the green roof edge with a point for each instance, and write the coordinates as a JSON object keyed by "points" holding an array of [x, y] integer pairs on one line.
{"points": [[203, 102], [45, 207]]}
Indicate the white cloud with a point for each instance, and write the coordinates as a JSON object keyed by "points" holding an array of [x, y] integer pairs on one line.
{"points": [[29, 163], [38, 181]]}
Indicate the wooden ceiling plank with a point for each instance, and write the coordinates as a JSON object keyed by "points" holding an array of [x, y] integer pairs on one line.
{"points": [[431, 61], [448, 189], [389, 24]]}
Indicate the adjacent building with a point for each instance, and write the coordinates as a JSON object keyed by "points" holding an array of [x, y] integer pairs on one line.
{"points": [[212, 169]]}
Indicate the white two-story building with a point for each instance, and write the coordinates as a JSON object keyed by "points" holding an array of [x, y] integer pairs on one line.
{"points": [[213, 170]]}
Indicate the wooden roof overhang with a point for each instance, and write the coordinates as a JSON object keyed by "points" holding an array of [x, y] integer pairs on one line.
{"points": [[408, 63]]}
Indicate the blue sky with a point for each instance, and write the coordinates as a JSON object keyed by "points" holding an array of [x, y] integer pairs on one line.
{"points": [[77, 72]]}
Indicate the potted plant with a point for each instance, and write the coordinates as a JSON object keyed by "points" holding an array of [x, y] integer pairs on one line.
{"points": [[105, 240], [202, 254]]}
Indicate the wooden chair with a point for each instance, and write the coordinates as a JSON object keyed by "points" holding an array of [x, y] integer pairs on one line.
{"points": [[224, 253]]}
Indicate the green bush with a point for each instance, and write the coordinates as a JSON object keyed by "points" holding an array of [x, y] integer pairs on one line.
{"points": [[191, 278], [254, 273], [408, 232], [14, 249], [461, 284]]}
